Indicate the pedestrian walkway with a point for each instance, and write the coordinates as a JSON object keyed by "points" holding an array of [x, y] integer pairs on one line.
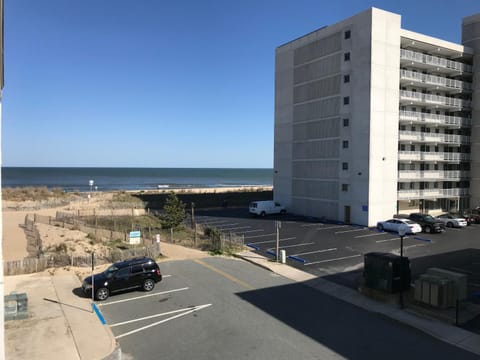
{"points": [[61, 324], [442, 331]]}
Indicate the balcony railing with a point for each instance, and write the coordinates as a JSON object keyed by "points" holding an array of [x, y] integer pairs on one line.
{"points": [[431, 99], [432, 156], [435, 119], [435, 80], [431, 193], [436, 138], [434, 61], [418, 175]]}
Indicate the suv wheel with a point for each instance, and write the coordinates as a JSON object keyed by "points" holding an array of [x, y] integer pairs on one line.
{"points": [[283, 212], [428, 229], [102, 293], [148, 285], [262, 214]]}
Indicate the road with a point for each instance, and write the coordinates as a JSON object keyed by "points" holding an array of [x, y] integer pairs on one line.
{"points": [[220, 308]]}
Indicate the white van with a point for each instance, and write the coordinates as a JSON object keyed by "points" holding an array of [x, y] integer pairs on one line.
{"points": [[263, 208]]}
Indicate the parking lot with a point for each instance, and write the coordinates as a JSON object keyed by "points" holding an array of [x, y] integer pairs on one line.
{"points": [[336, 250], [220, 308]]}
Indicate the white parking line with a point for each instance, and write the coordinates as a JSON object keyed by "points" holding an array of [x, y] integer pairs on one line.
{"points": [[332, 227], [329, 260], [315, 252], [141, 297], [392, 239], [315, 224], [237, 228], [290, 246], [257, 236], [347, 231], [269, 241], [374, 234], [222, 225], [196, 308], [250, 231], [153, 316], [213, 222]]}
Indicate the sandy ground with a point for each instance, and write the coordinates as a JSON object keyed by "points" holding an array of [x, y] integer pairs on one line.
{"points": [[14, 242]]}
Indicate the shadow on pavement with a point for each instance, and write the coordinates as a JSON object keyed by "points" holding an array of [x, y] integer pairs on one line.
{"points": [[351, 332]]}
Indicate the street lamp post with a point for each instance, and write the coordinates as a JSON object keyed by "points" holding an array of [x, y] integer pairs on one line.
{"points": [[402, 231]]}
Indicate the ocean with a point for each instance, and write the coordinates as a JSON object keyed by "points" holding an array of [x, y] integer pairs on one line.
{"points": [[105, 179]]}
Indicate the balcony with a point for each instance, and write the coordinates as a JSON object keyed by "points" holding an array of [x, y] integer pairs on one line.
{"points": [[433, 175], [428, 137], [432, 156], [434, 119], [434, 82], [413, 97], [431, 193], [425, 61]]}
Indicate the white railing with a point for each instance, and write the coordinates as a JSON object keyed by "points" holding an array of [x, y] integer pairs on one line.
{"points": [[428, 118], [433, 137], [432, 174], [433, 99], [432, 156], [431, 193], [435, 80], [434, 60]]}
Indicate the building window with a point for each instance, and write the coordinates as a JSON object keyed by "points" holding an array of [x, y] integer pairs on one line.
{"points": [[346, 56], [347, 34], [344, 187], [346, 100], [345, 144], [345, 166], [345, 122], [346, 78]]}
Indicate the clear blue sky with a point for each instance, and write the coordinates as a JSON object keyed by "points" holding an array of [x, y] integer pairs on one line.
{"points": [[156, 83]]}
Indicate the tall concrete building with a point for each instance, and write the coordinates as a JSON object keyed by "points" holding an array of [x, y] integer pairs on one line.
{"points": [[372, 120]]}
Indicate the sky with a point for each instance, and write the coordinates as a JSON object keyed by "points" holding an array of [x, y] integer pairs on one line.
{"points": [[156, 83]]}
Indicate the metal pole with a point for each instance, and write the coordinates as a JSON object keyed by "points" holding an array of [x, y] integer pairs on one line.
{"points": [[93, 282], [278, 225], [401, 272]]}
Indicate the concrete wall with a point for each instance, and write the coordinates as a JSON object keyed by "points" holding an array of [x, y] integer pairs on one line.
{"points": [[471, 38]]}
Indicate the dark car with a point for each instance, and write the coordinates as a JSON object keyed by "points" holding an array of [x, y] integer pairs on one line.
{"points": [[428, 223], [474, 215], [140, 272]]}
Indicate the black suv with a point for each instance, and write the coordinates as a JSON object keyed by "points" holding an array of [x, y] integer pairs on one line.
{"points": [[428, 223], [140, 272]]}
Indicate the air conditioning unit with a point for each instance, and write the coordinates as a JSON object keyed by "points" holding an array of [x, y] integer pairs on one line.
{"points": [[435, 291]]}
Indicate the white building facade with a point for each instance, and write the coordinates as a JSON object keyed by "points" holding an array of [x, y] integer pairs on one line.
{"points": [[372, 120]]}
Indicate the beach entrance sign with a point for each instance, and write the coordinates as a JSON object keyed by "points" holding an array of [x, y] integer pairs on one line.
{"points": [[135, 237]]}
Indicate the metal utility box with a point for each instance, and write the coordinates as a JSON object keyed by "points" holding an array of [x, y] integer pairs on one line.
{"points": [[435, 291], [459, 281], [15, 306], [386, 272]]}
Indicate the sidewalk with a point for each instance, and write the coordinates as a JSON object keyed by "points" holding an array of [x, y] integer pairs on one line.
{"points": [[61, 324], [442, 331]]}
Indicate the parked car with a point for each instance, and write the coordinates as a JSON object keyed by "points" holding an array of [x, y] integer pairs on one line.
{"points": [[394, 224], [465, 215], [267, 207], [428, 223], [451, 220], [474, 215], [140, 272]]}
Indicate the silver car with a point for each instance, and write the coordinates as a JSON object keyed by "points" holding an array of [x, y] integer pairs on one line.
{"points": [[452, 221]]}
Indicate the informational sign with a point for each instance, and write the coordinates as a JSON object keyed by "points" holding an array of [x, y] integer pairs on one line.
{"points": [[135, 237]]}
